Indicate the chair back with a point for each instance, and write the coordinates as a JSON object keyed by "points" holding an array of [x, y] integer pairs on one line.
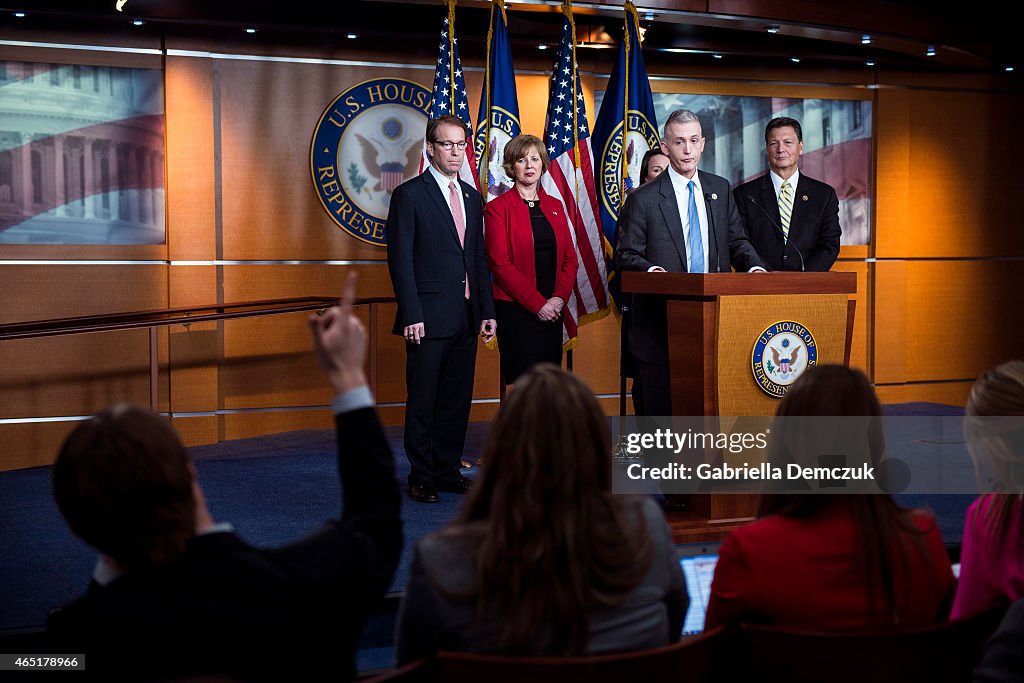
{"points": [[691, 659], [944, 652]]}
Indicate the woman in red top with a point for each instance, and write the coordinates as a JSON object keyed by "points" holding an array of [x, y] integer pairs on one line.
{"points": [[831, 562], [532, 256]]}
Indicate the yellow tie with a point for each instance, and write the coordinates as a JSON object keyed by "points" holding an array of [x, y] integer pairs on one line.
{"points": [[786, 207]]}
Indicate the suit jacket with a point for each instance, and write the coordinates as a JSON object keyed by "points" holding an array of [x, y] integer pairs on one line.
{"points": [[813, 228], [428, 266], [438, 609], [651, 234], [227, 607], [509, 238]]}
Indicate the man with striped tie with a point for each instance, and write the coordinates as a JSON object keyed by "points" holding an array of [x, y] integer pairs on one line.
{"points": [[792, 220]]}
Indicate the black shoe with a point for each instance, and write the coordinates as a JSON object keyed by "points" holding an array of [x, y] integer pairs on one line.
{"points": [[460, 485], [423, 493]]}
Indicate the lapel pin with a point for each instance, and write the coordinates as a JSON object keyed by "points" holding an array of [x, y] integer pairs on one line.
{"points": [[466, 195], [804, 198], [714, 195]]}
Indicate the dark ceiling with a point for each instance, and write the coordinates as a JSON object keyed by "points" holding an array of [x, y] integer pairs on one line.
{"points": [[820, 34]]}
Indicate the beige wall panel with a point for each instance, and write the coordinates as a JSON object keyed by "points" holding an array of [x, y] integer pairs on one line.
{"points": [[191, 228], [268, 113], [889, 322], [43, 292], [32, 445], [596, 356], [949, 393], [925, 209], [863, 297], [198, 430], [959, 318], [73, 375], [195, 350], [245, 425]]}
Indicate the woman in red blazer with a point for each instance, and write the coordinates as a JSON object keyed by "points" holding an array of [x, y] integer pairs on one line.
{"points": [[532, 256], [843, 561]]}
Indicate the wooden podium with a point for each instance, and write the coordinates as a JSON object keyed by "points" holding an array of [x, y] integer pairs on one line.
{"points": [[714, 323]]}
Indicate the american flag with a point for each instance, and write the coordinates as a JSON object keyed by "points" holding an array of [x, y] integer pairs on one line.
{"points": [[570, 178], [449, 94]]}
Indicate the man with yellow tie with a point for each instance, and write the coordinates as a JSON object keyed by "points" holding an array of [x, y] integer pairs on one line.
{"points": [[792, 220]]}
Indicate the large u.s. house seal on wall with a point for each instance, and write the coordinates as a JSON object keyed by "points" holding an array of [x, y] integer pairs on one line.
{"points": [[368, 141]]}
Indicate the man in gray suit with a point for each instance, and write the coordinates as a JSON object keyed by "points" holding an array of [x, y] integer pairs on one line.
{"points": [[684, 221]]}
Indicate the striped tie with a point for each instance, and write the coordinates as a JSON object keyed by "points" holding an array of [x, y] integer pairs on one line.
{"points": [[786, 207]]}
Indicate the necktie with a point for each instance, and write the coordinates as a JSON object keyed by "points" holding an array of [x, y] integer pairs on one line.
{"points": [[786, 207], [460, 220], [696, 243]]}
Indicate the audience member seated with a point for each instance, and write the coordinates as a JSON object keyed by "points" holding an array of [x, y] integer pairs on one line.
{"points": [[175, 593], [543, 559], [1003, 660], [836, 561], [991, 561]]}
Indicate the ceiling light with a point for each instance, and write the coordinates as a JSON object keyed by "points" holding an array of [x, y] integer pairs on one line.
{"points": [[870, 62], [649, 16], [930, 52], [119, 5], [795, 60], [250, 30], [20, 15], [1009, 68], [351, 36], [865, 39], [542, 46], [717, 56], [772, 28], [138, 22]]}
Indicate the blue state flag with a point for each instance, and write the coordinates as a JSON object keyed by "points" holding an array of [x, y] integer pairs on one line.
{"points": [[498, 120], [625, 129]]}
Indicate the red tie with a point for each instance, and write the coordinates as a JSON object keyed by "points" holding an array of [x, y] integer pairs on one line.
{"points": [[460, 220]]}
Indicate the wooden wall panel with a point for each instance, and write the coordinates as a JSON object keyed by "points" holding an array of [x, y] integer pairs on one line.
{"points": [[32, 444], [191, 190], [946, 320], [947, 176]]}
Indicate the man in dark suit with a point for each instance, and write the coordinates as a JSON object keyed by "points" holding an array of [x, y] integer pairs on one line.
{"points": [[438, 265], [792, 220], [175, 594], [684, 221]]}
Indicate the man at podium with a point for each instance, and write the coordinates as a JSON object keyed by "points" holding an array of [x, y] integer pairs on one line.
{"points": [[684, 221]]}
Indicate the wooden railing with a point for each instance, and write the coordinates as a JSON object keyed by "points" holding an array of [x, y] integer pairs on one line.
{"points": [[164, 317]]}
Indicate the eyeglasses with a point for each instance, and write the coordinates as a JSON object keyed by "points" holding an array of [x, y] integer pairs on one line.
{"points": [[447, 145]]}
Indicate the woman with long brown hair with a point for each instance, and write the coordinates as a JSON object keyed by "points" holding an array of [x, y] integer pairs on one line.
{"points": [[543, 559], [991, 561], [833, 561]]}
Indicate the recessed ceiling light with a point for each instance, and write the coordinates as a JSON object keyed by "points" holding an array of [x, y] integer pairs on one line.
{"points": [[870, 62], [351, 36], [930, 52], [138, 22], [717, 56], [772, 28], [542, 46], [250, 30], [649, 16], [1009, 68], [794, 59], [20, 15], [865, 39]]}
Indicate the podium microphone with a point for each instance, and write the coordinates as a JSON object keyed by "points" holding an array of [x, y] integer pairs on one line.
{"points": [[714, 233], [785, 241]]}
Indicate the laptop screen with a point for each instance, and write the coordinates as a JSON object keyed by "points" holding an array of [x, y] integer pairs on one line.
{"points": [[698, 569]]}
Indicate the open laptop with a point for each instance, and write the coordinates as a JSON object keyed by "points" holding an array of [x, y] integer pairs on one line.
{"points": [[698, 562]]}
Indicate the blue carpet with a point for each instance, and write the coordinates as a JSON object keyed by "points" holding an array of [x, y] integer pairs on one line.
{"points": [[274, 489]]}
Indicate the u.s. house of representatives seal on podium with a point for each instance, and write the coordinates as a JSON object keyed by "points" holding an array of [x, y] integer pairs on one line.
{"points": [[781, 354], [368, 142]]}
